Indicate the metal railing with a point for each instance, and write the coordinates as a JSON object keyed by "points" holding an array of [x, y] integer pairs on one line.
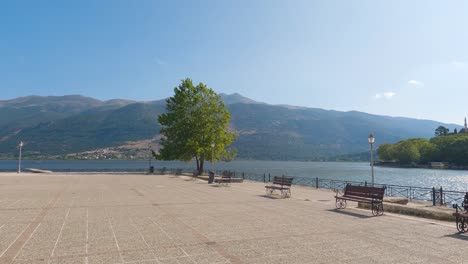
{"points": [[438, 196]]}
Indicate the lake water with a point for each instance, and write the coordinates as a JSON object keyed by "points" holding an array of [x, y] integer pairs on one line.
{"points": [[350, 171]]}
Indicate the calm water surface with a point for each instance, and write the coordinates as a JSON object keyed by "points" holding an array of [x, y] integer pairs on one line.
{"points": [[352, 171]]}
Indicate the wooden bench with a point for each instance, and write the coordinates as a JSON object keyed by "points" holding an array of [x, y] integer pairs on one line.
{"points": [[195, 174], [178, 172], [283, 184], [461, 215], [363, 194], [225, 179]]}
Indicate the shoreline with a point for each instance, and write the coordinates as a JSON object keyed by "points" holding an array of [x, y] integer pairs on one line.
{"points": [[409, 166]]}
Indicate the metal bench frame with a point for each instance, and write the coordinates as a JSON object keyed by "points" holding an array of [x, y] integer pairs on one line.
{"points": [[225, 180], [364, 194], [283, 184], [461, 215]]}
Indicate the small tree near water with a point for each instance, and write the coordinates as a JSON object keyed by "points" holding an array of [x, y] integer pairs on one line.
{"points": [[195, 118]]}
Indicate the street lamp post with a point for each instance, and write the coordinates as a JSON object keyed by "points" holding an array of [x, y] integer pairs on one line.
{"points": [[150, 155], [20, 145], [371, 139], [151, 168], [212, 157]]}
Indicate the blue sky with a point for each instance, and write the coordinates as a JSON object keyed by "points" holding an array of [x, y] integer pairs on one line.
{"points": [[399, 58]]}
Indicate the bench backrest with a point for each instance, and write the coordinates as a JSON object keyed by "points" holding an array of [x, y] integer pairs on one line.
{"points": [[283, 181], [376, 193], [227, 174]]}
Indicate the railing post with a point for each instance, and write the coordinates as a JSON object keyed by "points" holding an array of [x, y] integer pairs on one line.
{"points": [[365, 183], [269, 178], [243, 176], [316, 182], [264, 177], [433, 196], [441, 196]]}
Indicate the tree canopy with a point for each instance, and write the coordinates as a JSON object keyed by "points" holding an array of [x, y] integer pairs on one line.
{"points": [[452, 148], [195, 118], [441, 131]]}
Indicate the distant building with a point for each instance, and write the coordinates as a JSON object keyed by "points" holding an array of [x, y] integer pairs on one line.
{"points": [[465, 129], [439, 165]]}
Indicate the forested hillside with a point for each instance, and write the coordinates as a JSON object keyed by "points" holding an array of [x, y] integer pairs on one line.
{"points": [[70, 124]]}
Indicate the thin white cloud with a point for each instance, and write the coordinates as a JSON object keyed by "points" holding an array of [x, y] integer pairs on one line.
{"points": [[389, 95], [416, 84], [458, 65], [386, 95]]}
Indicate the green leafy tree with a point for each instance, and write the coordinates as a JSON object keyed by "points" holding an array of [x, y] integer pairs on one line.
{"points": [[385, 152], [408, 153], [195, 118], [441, 131], [429, 152]]}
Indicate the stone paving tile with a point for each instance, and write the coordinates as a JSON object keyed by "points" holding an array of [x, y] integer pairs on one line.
{"points": [[105, 259], [180, 260], [70, 260], [105, 218], [31, 261], [138, 255], [169, 252]]}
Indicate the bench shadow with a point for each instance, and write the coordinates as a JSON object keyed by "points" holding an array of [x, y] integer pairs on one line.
{"points": [[458, 236], [218, 185], [191, 179], [270, 197], [343, 212]]}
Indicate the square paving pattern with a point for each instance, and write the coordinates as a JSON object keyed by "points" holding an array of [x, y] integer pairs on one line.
{"points": [[131, 218]]}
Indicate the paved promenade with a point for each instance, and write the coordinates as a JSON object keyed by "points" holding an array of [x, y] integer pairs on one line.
{"points": [[103, 218]]}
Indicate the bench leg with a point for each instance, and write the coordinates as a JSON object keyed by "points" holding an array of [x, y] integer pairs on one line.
{"points": [[462, 224], [286, 193], [269, 191], [377, 209], [340, 203]]}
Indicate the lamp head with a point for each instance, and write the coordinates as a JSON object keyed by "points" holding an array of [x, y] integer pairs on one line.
{"points": [[212, 144], [21, 144], [371, 139]]}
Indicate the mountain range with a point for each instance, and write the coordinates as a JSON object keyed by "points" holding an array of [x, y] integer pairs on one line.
{"points": [[71, 125]]}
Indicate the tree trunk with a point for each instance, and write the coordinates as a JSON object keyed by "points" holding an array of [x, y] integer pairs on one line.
{"points": [[198, 164], [201, 166]]}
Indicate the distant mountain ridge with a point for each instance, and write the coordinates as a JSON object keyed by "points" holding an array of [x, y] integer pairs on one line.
{"points": [[236, 98], [59, 125]]}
